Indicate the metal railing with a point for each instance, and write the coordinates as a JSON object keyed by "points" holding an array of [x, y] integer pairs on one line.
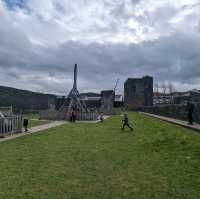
{"points": [[10, 125]]}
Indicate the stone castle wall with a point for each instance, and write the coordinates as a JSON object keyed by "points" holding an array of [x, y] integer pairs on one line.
{"points": [[138, 92], [173, 111], [107, 102]]}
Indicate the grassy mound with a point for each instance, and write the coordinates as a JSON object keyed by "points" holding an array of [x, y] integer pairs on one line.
{"points": [[157, 160]]}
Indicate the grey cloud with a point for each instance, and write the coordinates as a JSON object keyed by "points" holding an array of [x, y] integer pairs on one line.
{"points": [[171, 57], [174, 58]]}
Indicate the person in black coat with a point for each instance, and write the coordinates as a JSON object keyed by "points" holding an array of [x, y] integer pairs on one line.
{"points": [[190, 108], [73, 117], [25, 124]]}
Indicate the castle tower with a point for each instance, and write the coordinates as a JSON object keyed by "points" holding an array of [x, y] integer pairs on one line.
{"points": [[138, 92]]}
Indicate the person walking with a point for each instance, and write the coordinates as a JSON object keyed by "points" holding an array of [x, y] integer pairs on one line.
{"points": [[25, 124], [190, 107], [125, 121], [73, 116]]}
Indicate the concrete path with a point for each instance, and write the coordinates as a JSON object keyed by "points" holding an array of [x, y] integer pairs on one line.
{"points": [[34, 130], [195, 127], [45, 127], [38, 119]]}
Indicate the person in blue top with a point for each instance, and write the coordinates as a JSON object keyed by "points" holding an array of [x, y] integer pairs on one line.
{"points": [[126, 122]]}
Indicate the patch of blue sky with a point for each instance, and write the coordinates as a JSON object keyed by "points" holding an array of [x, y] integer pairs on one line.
{"points": [[15, 3]]}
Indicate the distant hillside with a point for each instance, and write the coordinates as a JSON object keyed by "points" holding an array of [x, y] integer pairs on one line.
{"points": [[24, 100]]}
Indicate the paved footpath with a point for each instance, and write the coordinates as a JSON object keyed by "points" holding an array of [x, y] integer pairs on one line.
{"points": [[35, 130], [45, 127], [195, 127]]}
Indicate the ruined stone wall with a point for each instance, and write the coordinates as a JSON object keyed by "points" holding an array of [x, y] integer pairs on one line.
{"points": [[138, 92], [62, 115], [173, 111], [107, 101]]}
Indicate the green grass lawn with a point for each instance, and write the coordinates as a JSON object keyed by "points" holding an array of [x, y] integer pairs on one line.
{"points": [[88, 161], [31, 116], [34, 120]]}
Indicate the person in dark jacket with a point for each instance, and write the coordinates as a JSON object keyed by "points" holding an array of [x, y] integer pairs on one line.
{"points": [[25, 124], [73, 117], [126, 122], [190, 108]]}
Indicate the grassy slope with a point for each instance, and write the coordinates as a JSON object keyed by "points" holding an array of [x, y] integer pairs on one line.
{"points": [[31, 116], [33, 123], [34, 120], [90, 161]]}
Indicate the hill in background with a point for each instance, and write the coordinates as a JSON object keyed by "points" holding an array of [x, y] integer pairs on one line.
{"points": [[23, 100]]}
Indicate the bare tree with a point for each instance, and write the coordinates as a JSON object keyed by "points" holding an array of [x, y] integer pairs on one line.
{"points": [[171, 91], [164, 89], [157, 88], [171, 88], [156, 93]]}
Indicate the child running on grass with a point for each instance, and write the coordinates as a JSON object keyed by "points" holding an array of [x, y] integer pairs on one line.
{"points": [[126, 123]]}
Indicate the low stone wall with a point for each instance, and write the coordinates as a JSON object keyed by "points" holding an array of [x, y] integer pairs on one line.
{"points": [[173, 111], [52, 115], [59, 115]]}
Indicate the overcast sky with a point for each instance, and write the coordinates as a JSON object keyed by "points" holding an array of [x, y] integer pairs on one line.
{"points": [[41, 40]]}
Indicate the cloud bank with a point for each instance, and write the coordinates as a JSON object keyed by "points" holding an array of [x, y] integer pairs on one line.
{"points": [[40, 41]]}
